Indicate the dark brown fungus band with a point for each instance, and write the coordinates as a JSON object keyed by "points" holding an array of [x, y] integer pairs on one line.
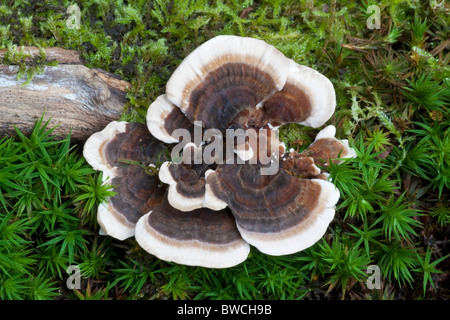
{"points": [[201, 237], [164, 118], [239, 82], [125, 153], [227, 78], [307, 98], [278, 214], [324, 149], [186, 180], [228, 93]]}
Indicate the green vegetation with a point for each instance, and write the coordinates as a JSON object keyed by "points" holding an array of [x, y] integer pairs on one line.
{"points": [[48, 196], [393, 92]]}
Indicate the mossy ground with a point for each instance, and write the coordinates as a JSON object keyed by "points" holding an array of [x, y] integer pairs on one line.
{"points": [[392, 86]]}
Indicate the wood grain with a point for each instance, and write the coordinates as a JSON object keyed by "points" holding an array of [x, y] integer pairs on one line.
{"points": [[75, 97]]}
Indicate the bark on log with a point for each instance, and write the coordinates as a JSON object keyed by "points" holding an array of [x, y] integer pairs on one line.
{"points": [[72, 95]]}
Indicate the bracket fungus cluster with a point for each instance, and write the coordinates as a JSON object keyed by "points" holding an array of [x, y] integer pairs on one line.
{"points": [[201, 205]]}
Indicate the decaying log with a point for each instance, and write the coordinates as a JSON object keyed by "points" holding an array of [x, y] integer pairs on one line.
{"points": [[72, 95], [63, 56]]}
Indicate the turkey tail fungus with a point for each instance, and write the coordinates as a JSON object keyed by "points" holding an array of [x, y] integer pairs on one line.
{"points": [[209, 213]]}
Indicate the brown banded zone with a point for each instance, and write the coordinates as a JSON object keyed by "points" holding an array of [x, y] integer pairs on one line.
{"points": [[135, 144], [137, 191], [226, 92], [322, 150], [291, 104], [300, 166], [176, 119], [190, 179], [264, 203], [203, 225]]}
